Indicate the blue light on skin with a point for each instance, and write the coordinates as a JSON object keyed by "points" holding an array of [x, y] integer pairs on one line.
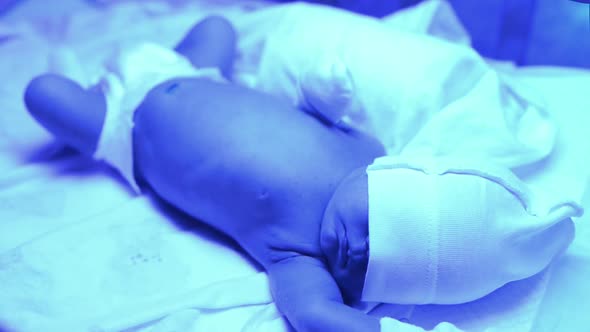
{"points": [[248, 165]]}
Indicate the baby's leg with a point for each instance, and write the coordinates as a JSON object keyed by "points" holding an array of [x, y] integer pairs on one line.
{"points": [[75, 116]]}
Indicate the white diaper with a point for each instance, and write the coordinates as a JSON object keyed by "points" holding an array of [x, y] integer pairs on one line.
{"points": [[130, 75], [451, 231]]}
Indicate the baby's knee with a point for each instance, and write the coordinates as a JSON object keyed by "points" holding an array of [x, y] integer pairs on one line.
{"points": [[210, 43], [217, 25]]}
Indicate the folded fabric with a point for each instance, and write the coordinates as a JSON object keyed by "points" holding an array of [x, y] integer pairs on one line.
{"points": [[417, 93], [449, 230]]}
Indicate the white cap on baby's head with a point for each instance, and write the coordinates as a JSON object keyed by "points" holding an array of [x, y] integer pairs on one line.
{"points": [[451, 231]]}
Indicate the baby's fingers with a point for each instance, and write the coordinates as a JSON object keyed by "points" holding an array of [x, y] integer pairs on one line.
{"points": [[72, 114]]}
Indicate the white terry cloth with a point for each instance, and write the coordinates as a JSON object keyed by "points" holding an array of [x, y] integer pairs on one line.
{"points": [[449, 230], [131, 74]]}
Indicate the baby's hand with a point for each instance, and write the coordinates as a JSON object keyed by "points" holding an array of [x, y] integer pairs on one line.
{"points": [[344, 234]]}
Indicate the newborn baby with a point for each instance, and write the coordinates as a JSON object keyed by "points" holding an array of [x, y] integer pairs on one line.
{"points": [[294, 190], [245, 163]]}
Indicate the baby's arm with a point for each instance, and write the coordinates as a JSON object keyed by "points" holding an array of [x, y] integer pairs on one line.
{"points": [[306, 293]]}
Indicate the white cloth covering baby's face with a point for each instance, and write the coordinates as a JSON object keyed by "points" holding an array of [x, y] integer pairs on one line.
{"points": [[452, 230]]}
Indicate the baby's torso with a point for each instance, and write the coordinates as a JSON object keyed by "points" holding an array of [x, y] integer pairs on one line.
{"points": [[245, 163]]}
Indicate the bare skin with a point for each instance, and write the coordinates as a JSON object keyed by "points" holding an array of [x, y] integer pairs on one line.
{"points": [[243, 162]]}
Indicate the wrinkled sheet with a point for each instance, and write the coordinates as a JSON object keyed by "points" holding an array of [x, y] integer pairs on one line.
{"points": [[79, 253]]}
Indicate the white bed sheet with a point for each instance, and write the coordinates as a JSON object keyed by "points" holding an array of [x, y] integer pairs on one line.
{"points": [[79, 253]]}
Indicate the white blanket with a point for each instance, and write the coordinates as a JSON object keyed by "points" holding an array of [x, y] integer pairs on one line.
{"points": [[77, 253]]}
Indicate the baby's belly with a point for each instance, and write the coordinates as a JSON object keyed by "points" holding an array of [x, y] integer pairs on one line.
{"points": [[245, 163]]}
